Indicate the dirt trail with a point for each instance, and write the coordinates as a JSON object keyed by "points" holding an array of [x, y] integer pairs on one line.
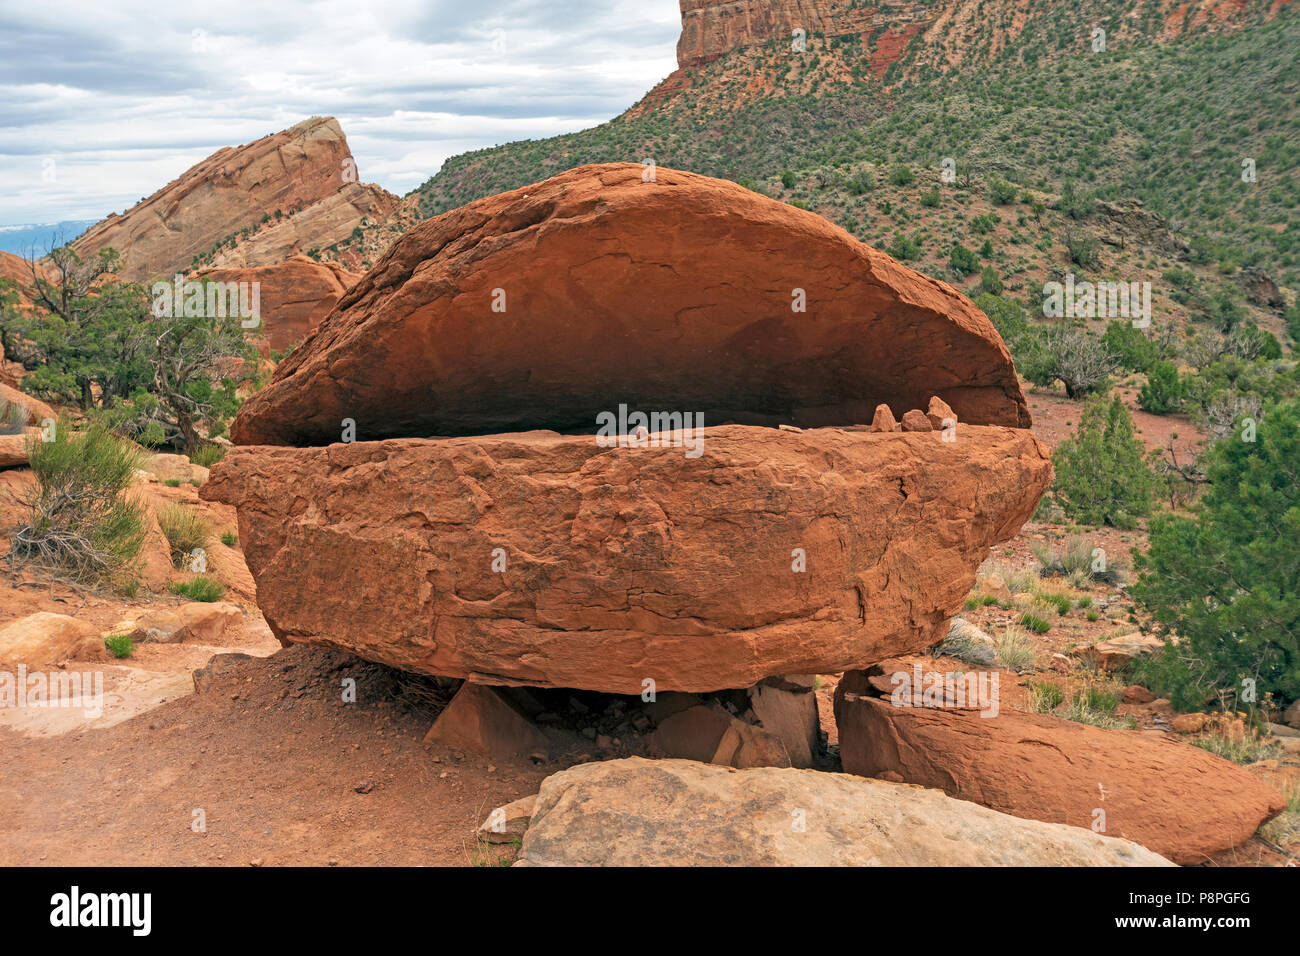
{"points": [[283, 771]]}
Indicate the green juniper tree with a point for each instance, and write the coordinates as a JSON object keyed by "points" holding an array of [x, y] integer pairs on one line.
{"points": [[1225, 582]]}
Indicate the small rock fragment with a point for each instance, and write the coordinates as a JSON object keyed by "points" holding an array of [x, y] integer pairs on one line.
{"points": [[884, 420], [916, 421]]}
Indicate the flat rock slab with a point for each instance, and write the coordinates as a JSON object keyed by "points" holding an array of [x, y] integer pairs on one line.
{"points": [[638, 812], [1178, 800], [547, 560]]}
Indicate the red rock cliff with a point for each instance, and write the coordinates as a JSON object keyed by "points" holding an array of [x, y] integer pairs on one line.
{"points": [[711, 28]]}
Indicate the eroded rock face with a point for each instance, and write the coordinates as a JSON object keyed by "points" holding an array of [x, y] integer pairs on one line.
{"points": [[232, 189], [636, 812], [711, 28], [626, 564], [295, 295], [547, 305], [1177, 800]]}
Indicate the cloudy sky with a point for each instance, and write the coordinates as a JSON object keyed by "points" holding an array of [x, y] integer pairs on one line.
{"points": [[102, 102]]}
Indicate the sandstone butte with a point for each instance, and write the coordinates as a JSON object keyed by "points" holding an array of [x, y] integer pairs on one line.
{"points": [[306, 170], [476, 528], [1172, 798], [295, 295]]}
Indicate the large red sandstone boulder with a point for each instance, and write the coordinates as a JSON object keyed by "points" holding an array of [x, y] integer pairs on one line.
{"points": [[560, 560], [1177, 800], [295, 295], [544, 306], [545, 559]]}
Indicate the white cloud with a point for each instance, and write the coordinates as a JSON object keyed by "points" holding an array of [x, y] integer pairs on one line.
{"points": [[121, 100]]}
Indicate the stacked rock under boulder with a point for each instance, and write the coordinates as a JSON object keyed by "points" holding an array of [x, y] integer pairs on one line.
{"points": [[1180, 801]]}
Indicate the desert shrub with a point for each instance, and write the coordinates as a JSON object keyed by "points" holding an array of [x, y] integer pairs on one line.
{"points": [[82, 526], [963, 261], [1096, 706], [208, 455], [901, 175], [1017, 580], [96, 342], [229, 539], [1248, 341], [1163, 392], [1060, 601], [1044, 697], [1131, 348], [1226, 580], [1002, 192], [1083, 251], [1079, 359], [990, 281], [1245, 749], [185, 530], [1024, 340], [199, 588], [1017, 650], [904, 247], [1101, 474], [930, 199], [1076, 559], [1035, 623], [787, 179], [13, 418], [1224, 311], [119, 645]]}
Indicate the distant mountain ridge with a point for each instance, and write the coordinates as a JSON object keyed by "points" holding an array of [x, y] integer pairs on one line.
{"points": [[39, 238]]}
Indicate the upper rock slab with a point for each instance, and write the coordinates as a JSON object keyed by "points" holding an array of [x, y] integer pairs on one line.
{"points": [[544, 306]]}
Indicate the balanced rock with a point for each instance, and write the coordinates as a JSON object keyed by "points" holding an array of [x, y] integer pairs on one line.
{"points": [[1137, 785], [636, 812], [711, 557]]}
